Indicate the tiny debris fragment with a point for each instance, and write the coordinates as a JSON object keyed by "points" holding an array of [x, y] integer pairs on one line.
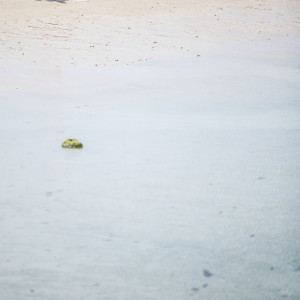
{"points": [[207, 273], [72, 143]]}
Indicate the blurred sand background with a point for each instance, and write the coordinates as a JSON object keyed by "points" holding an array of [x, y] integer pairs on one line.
{"points": [[187, 186]]}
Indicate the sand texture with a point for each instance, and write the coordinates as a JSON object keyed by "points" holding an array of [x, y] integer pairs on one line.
{"points": [[187, 185]]}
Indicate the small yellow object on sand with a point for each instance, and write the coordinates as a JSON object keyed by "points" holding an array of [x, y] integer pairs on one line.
{"points": [[72, 143]]}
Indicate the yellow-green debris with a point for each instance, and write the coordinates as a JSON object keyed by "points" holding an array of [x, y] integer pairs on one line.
{"points": [[71, 143]]}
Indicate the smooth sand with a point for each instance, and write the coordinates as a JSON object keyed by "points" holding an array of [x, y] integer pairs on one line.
{"points": [[187, 186]]}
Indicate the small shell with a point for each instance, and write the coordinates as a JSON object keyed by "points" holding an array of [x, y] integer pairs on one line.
{"points": [[72, 143]]}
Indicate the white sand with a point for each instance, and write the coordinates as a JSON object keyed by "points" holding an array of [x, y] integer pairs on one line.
{"points": [[190, 165]]}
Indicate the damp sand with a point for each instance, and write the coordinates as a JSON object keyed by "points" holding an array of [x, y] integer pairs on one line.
{"points": [[187, 183]]}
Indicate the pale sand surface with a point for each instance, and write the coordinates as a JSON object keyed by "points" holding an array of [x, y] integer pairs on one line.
{"points": [[104, 33], [188, 183]]}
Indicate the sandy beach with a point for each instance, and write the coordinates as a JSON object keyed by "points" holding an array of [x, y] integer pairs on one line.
{"points": [[187, 185]]}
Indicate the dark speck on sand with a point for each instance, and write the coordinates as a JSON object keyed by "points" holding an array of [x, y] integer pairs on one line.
{"points": [[206, 273]]}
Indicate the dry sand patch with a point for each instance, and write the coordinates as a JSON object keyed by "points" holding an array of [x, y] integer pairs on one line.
{"points": [[105, 33]]}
